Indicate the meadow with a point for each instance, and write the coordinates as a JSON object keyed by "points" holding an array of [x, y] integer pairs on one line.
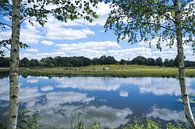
{"points": [[106, 70]]}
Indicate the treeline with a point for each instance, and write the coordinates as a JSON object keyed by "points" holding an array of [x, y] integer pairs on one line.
{"points": [[83, 61]]}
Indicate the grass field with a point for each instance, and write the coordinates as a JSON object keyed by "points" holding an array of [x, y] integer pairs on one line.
{"points": [[114, 70]]}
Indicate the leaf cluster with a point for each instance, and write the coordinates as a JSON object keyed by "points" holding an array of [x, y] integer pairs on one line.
{"points": [[5, 45], [145, 20]]}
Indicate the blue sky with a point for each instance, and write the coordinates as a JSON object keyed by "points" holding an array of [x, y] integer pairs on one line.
{"points": [[80, 38]]}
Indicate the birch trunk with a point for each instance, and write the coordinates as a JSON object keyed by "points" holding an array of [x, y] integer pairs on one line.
{"points": [[181, 66], [14, 64]]}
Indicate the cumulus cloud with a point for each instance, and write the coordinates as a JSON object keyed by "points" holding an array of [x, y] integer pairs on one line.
{"points": [[123, 93], [106, 116], [48, 43], [167, 51], [67, 33], [156, 86], [5, 35], [32, 81], [89, 49], [104, 45], [47, 88], [88, 83], [167, 114], [162, 86]]}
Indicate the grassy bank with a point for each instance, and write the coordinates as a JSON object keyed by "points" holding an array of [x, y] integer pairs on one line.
{"points": [[113, 70], [4, 69]]}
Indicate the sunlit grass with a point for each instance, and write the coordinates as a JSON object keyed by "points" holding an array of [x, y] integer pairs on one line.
{"points": [[114, 70]]}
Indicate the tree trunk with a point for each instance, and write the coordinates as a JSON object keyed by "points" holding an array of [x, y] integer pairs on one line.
{"points": [[14, 64], [181, 67]]}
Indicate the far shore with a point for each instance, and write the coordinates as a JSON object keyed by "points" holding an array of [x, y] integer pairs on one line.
{"points": [[105, 70]]}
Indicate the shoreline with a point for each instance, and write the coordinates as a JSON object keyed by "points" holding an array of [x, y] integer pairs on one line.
{"points": [[98, 71]]}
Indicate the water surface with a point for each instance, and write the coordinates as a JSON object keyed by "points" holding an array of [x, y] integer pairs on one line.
{"points": [[110, 101]]}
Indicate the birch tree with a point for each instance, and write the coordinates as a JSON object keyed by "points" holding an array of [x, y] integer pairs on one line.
{"points": [[20, 10], [165, 20]]}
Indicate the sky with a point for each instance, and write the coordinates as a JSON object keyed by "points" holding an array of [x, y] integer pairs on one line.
{"points": [[80, 38]]}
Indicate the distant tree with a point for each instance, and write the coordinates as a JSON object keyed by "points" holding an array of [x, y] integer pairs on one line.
{"points": [[33, 63], [4, 62], [166, 63], [171, 63], [150, 61], [161, 20], [57, 61], [140, 60], [189, 63], [159, 61], [95, 61], [107, 60], [86, 61], [110, 60], [122, 62], [24, 62], [47, 62], [102, 59]]}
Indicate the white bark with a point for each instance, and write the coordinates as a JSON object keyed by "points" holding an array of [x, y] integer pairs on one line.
{"points": [[181, 66], [14, 64]]}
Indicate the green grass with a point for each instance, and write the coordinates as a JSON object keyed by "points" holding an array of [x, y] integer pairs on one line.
{"points": [[4, 69], [114, 70]]}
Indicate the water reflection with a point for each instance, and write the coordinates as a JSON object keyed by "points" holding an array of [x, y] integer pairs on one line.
{"points": [[111, 101], [167, 114]]}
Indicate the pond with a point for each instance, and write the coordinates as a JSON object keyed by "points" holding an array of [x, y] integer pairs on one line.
{"points": [[111, 101]]}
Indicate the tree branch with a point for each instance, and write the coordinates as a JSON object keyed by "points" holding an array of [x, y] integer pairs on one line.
{"points": [[169, 18], [159, 26], [4, 24], [185, 5], [24, 19]]}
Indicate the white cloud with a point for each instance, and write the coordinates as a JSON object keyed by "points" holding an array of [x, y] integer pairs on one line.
{"points": [[67, 33], [102, 12], [105, 45], [161, 86], [167, 114], [28, 34], [5, 35], [88, 83], [48, 43], [167, 52], [32, 81], [156, 86], [123, 93], [89, 49], [106, 116], [57, 30], [47, 88], [32, 50]]}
